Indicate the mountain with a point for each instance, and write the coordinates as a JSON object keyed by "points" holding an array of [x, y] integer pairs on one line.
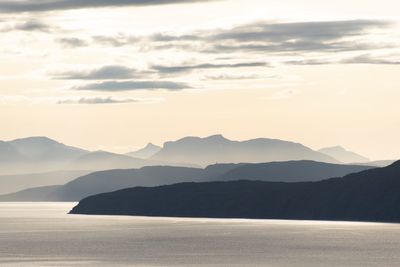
{"points": [[102, 160], [42, 155], [36, 194], [45, 149], [146, 152], [290, 171], [16, 182], [218, 149], [35, 155], [371, 195], [380, 163], [343, 155], [106, 181], [8, 153]]}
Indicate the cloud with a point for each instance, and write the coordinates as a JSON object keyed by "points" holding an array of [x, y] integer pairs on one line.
{"points": [[304, 31], [104, 73], [311, 62], [276, 37], [185, 68], [368, 59], [98, 100], [219, 77], [29, 26], [116, 41], [116, 86], [53, 5], [72, 42]]}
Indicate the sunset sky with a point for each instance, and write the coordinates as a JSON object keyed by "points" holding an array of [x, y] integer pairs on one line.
{"points": [[115, 75]]}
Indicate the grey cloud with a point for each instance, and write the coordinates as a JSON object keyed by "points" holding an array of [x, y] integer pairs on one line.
{"points": [[367, 59], [304, 31], [103, 73], [72, 42], [115, 40], [185, 68], [270, 37], [162, 37], [115, 86], [310, 62], [52, 5], [301, 37], [33, 25], [29, 26], [98, 100]]}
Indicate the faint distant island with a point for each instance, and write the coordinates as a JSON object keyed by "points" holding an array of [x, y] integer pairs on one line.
{"points": [[370, 195]]}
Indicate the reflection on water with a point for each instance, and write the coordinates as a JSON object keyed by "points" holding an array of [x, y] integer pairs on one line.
{"points": [[42, 234]]}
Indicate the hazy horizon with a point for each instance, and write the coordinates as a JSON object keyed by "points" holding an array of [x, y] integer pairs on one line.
{"points": [[116, 75]]}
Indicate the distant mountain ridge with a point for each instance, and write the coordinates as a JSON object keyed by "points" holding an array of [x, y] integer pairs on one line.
{"points": [[148, 151], [218, 149], [106, 181], [343, 155], [370, 195], [43, 155]]}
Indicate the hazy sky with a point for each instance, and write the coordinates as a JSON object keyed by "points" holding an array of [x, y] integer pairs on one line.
{"points": [[117, 74]]}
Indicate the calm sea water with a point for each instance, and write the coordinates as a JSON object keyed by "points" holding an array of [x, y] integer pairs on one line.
{"points": [[42, 234]]}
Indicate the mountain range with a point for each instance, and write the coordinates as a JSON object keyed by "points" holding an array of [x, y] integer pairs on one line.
{"points": [[218, 149], [370, 195], [343, 155], [42, 155], [148, 151], [106, 181]]}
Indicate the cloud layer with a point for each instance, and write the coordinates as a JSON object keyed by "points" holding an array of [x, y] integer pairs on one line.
{"points": [[52, 5], [98, 100], [104, 73], [117, 86]]}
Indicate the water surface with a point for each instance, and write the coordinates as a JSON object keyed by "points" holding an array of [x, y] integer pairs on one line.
{"points": [[42, 234]]}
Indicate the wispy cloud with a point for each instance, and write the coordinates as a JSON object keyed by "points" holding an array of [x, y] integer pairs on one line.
{"points": [[369, 59], [72, 42], [115, 86], [185, 68], [32, 25], [113, 72], [52, 5], [99, 100]]}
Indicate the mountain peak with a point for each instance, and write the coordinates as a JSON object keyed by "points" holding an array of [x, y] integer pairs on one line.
{"points": [[41, 139], [150, 145], [343, 155], [216, 137], [149, 150]]}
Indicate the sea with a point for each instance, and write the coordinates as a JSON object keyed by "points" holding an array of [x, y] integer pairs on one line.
{"points": [[44, 234]]}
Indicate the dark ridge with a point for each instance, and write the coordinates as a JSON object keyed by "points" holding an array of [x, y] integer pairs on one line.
{"points": [[371, 195]]}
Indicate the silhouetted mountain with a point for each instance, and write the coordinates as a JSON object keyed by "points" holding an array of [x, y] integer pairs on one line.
{"points": [[290, 171], [106, 181], [146, 152], [343, 155], [371, 195], [13, 183], [217, 149]]}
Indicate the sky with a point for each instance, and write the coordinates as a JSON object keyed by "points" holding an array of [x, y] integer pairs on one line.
{"points": [[115, 75]]}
